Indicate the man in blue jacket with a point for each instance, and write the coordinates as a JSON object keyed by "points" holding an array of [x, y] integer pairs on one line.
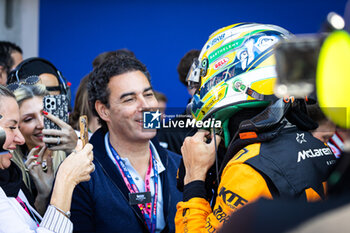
{"points": [[133, 188]]}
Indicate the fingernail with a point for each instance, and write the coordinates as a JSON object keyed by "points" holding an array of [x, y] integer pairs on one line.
{"points": [[36, 156], [37, 147], [45, 113], [37, 162]]}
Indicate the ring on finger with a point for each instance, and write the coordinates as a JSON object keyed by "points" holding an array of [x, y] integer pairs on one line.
{"points": [[44, 165], [58, 140]]}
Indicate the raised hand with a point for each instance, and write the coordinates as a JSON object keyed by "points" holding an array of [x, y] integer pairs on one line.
{"points": [[198, 156], [42, 176], [63, 139]]}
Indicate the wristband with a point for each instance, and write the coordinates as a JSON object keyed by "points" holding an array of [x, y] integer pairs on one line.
{"points": [[67, 214]]}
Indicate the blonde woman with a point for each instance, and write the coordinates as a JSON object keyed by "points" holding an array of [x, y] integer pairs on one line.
{"points": [[16, 211], [39, 179]]}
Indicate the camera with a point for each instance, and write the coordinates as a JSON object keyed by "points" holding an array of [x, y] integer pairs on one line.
{"points": [[296, 65], [2, 140]]}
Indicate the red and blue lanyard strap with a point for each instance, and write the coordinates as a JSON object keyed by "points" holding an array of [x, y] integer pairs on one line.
{"points": [[149, 212], [25, 207]]}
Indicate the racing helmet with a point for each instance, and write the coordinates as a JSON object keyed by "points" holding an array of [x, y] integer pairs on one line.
{"points": [[235, 70]]}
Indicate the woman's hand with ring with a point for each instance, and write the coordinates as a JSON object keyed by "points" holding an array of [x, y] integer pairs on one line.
{"points": [[61, 139]]}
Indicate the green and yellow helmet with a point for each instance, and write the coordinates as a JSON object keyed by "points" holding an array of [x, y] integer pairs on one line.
{"points": [[235, 70]]}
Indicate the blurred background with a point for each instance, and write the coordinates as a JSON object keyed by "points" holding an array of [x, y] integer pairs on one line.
{"points": [[71, 33]]}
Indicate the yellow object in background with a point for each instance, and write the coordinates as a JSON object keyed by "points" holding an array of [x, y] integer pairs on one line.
{"points": [[333, 78]]}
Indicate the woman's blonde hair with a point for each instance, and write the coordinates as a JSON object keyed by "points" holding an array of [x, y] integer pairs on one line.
{"points": [[25, 92]]}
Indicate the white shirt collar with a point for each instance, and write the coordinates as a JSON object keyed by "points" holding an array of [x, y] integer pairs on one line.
{"points": [[155, 154]]}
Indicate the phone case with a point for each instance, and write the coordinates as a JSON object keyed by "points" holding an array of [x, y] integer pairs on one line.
{"points": [[84, 134], [57, 105]]}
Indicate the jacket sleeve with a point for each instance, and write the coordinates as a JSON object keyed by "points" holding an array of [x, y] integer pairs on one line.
{"points": [[82, 211], [239, 185], [14, 219]]}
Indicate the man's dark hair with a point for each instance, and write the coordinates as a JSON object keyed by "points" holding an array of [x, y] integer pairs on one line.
{"points": [[6, 48], [11, 46], [160, 96], [185, 64], [5, 59], [100, 77], [102, 57]]}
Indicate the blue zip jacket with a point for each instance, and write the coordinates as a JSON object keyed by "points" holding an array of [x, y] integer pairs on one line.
{"points": [[102, 204]]}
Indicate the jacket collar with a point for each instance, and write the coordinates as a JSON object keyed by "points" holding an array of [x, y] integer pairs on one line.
{"points": [[101, 157]]}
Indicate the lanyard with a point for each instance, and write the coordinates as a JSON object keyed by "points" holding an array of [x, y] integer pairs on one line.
{"points": [[149, 212], [27, 209]]}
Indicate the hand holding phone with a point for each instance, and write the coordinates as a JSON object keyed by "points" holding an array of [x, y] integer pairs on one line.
{"points": [[58, 134], [57, 105]]}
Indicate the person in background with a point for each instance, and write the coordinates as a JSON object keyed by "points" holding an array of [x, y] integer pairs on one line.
{"points": [[173, 138], [162, 101], [184, 66], [336, 142], [82, 107], [39, 179], [106, 55], [15, 52], [16, 212], [133, 188], [10, 57], [5, 65], [326, 128], [49, 75]]}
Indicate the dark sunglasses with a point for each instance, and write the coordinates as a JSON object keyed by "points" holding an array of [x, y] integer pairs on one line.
{"points": [[31, 80]]}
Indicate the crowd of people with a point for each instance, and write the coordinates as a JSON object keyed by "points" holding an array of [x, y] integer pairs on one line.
{"points": [[268, 152]]}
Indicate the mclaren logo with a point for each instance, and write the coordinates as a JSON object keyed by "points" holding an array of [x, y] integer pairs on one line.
{"points": [[311, 153]]}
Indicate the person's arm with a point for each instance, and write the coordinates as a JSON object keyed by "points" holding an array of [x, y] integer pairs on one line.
{"points": [[75, 168], [240, 184], [14, 219]]}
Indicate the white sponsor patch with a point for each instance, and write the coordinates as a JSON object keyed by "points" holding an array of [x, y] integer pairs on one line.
{"points": [[215, 40], [221, 63]]}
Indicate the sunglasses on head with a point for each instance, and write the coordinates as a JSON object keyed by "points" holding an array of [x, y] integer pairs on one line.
{"points": [[31, 80]]}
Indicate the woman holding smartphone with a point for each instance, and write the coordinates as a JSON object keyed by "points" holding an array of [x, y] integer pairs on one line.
{"points": [[16, 212], [38, 163]]}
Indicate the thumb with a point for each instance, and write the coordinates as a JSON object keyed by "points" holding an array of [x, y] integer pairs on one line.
{"points": [[87, 148], [79, 145]]}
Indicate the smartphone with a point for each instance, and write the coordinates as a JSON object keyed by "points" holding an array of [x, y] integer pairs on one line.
{"points": [[84, 134], [57, 105], [296, 64]]}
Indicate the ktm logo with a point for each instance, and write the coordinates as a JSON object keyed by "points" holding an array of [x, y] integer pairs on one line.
{"points": [[221, 63], [231, 199]]}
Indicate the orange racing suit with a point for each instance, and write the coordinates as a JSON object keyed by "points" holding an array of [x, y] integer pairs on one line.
{"points": [[293, 165]]}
